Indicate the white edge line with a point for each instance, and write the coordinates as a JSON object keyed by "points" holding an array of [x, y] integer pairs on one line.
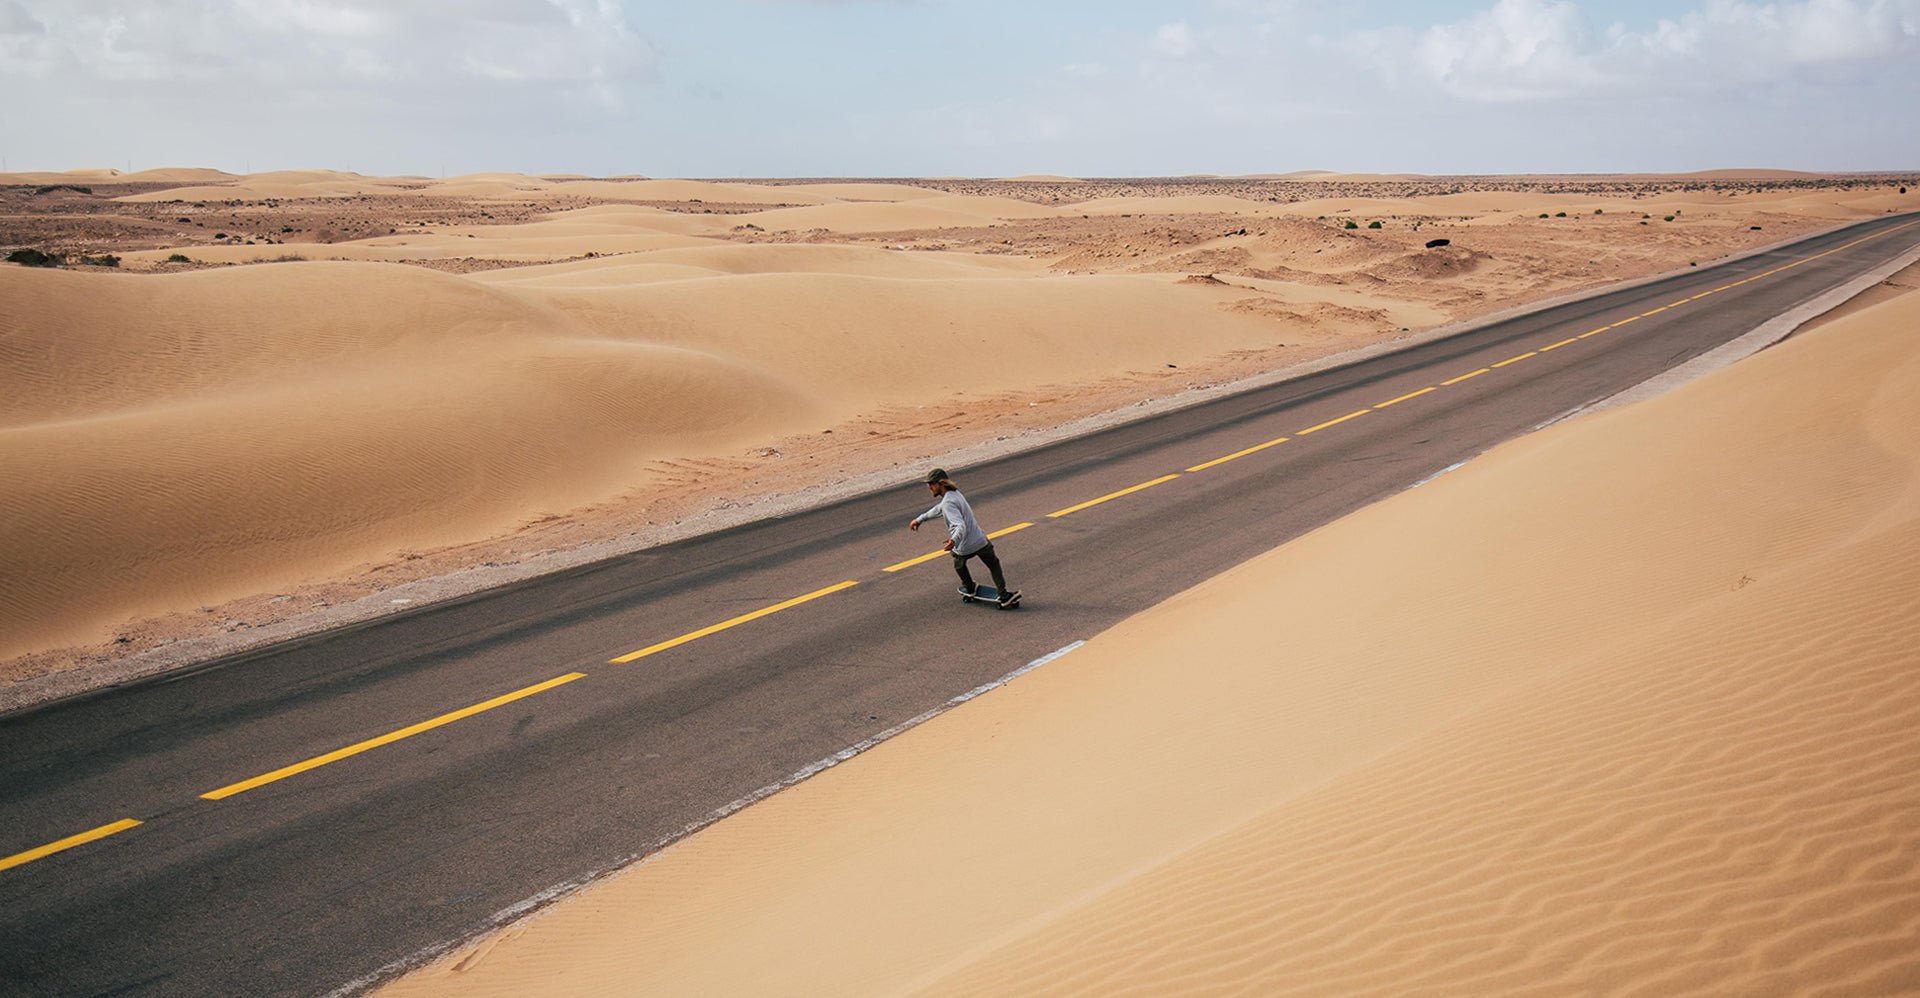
{"points": [[513, 911], [1451, 467], [1768, 333]]}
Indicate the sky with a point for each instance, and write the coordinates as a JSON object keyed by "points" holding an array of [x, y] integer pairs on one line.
{"points": [[900, 88]]}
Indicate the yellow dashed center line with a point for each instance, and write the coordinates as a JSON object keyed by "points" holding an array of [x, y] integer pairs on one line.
{"points": [[42, 852], [1113, 495], [735, 622], [1516, 360], [1255, 449], [910, 562], [1333, 422], [1403, 398], [1654, 311], [1592, 332], [1683, 301], [1463, 377], [387, 739], [1556, 346], [1623, 322]]}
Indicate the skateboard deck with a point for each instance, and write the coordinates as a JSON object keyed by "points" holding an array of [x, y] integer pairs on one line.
{"points": [[990, 596]]}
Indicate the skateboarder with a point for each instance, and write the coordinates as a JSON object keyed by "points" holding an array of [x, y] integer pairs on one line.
{"points": [[965, 539]]}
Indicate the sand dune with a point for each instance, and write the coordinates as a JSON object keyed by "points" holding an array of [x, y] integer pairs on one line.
{"points": [[1600, 711], [875, 216], [183, 439], [864, 192], [709, 260], [190, 438], [1197, 203], [869, 341], [261, 187], [684, 190]]}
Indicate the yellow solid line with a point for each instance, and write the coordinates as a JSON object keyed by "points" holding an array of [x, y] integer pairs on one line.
{"points": [[1723, 287], [387, 739], [1331, 422], [1463, 377], [1699, 296], [735, 622], [996, 535], [1560, 344], [1255, 449], [1516, 360], [1407, 396], [1114, 495], [23, 858]]}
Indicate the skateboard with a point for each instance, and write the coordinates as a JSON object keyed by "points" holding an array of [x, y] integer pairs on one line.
{"points": [[990, 596]]}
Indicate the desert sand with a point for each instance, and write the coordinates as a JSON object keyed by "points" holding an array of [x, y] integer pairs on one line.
{"points": [[250, 399], [1626, 705]]}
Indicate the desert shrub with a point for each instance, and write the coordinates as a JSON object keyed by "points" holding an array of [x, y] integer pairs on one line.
{"points": [[1598, 211], [1560, 214], [1669, 218], [103, 260], [1437, 243], [1543, 214], [1351, 224], [1373, 224], [178, 258], [30, 257]]}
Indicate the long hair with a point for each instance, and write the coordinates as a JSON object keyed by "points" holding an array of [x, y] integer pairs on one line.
{"points": [[946, 485]]}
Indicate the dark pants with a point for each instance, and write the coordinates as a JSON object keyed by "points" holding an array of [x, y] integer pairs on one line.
{"points": [[987, 558]]}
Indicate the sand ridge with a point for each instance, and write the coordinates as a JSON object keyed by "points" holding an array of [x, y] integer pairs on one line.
{"points": [[1662, 745]]}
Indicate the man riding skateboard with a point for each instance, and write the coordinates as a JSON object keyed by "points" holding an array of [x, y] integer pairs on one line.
{"points": [[965, 539]]}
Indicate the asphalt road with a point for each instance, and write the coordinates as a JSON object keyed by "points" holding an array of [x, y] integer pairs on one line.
{"points": [[574, 763]]}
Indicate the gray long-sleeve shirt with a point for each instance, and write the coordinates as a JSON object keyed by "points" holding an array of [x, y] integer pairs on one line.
{"points": [[961, 526]]}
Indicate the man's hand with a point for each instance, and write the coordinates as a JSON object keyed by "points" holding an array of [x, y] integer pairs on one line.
{"points": [[913, 524], [948, 546]]}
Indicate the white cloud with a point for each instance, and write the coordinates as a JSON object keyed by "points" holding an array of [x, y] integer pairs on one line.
{"points": [[1544, 49], [1175, 41], [1517, 50], [322, 44]]}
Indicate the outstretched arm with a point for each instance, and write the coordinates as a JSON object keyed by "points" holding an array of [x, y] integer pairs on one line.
{"points": [[932, 514]]}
